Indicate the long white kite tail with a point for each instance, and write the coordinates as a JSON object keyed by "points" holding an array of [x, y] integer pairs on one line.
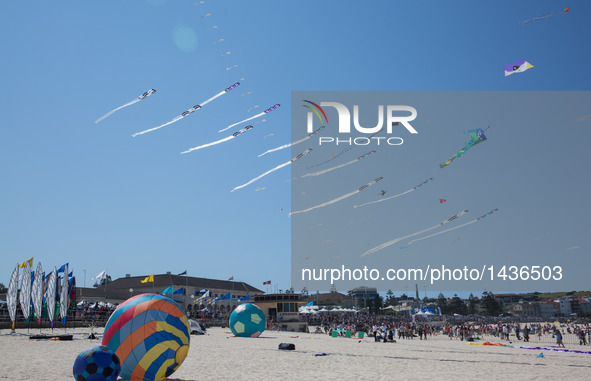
{"points": [[292, 144], [339, 198], [386, 244], [147, 93], [235, 134], [274, 169], [396, 195], [252, 117], [454, 228], [189, 111], [338, 166]]}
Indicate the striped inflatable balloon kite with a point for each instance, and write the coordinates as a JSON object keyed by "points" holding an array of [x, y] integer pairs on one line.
{"points": [[150, 335]]}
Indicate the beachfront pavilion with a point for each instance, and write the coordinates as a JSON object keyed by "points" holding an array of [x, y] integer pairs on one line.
{"points": [[331, 299], [282, 310], [189, 289]]}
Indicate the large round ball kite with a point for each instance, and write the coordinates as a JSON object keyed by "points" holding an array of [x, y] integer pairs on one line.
{"points": [[247, 320], [97, 364], [150, 334]]}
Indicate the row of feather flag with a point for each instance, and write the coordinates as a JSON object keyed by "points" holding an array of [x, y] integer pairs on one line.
{"points": [[39, 290], [206, 298]]}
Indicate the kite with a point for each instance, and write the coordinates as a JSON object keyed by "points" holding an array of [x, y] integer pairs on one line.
{"points": [[151, 336], [219, 141], [213, 27], [522, 23], [384, 245], [517, 67], [218, 41], [441, 200], [11, 295], [25, 294], [255, 106], [189, 111], [37, 292], [64, 296], [231, 67], [225, 54], [345, 150], [584, 117], [454, 228], [476, 136], [144, 95], [50, 295], [252, 117], [266, 136], [397, 195], [292, 144], [339, 198], [274, 169], [338, 166], [258, 189]]}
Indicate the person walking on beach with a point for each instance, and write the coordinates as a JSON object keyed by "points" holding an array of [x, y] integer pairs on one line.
{"points": [[559, 338]]}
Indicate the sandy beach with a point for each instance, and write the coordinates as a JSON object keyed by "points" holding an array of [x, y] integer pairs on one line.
{"points": [[219, 355]]}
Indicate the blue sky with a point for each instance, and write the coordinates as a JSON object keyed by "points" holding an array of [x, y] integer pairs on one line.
{"points": [[95, 197]]}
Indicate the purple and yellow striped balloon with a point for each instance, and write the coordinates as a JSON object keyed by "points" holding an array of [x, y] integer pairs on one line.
{"points": [[150, 334]]}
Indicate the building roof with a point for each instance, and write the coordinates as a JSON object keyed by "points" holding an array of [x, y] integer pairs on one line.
{"points": [[165, 280], [99, 292]]}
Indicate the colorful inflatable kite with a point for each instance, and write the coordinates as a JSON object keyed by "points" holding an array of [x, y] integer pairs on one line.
{"points": [[150, 334], [476, 136]]}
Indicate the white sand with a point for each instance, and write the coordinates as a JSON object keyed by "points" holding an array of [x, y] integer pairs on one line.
{"points": [[220, 356]]}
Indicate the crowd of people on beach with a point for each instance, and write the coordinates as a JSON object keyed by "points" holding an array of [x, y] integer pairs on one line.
{"points": [[390, 328]]}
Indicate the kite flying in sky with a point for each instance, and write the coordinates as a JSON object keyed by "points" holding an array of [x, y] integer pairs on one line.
{"points": [[252, 117], [274, 169], [219, 141], [476, 136], [339, 198], [396, 195], [454, 228], [517, 67], [189, 111], [384, 245], [343, 151], [338, 166], [292, 144], [144, 95], [522, 23]]}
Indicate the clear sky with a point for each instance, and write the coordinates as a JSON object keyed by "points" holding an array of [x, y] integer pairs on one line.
{"points": [[91, 195]]}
